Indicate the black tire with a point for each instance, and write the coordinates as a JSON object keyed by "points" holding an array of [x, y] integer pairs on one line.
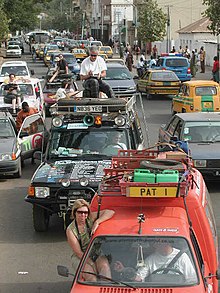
{"points": [[19, 172], [41, 219]]}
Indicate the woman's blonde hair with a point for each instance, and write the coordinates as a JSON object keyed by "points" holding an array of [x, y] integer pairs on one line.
{"points": [[79, 203]]}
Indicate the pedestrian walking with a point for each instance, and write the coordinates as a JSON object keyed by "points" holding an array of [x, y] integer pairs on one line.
{"points": [[215, 69], [202, 55], [154, 52], [129, 60]]}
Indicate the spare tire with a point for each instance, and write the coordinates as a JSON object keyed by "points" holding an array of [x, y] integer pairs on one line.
{"points": [[157, 164]]}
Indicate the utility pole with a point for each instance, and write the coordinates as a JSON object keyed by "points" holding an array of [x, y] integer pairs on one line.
{"points": [[168, 27], [83, 24]]}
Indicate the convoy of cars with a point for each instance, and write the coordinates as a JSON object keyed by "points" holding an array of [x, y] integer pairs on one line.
{"points": [[97, 150]]}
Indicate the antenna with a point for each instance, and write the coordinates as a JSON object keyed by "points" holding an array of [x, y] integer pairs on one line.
{"points": [[141, 219]]}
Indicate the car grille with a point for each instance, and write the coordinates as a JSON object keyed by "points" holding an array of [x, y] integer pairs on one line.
{"points": [[213, 164]]}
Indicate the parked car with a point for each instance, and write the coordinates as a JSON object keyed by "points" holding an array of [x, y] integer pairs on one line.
{"points": [[179, 65], [202, 133], [19, 68], [120, 79], [197, 96], [158, 82], [13, 51], [18, 145], [106, 50]]}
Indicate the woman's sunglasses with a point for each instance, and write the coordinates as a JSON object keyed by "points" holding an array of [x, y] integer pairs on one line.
{"points": [[82, 212]]}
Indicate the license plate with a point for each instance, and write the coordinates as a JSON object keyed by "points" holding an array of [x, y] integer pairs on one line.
{"points": [[88, 108], [207, 104], [152, 192]]}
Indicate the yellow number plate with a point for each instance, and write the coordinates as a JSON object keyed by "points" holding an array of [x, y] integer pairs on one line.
{"points": [[152, 192], [207, 104]]}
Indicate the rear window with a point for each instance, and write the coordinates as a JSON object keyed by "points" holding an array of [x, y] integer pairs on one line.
{"points": [[164, 76], [177, 62], [206, 90]]}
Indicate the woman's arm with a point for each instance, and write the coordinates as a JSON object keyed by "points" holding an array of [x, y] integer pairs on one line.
{"points": [[74, 243], [104, 216]]}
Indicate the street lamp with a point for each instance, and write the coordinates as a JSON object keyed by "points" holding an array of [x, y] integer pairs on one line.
{"points": [[40, 19]]}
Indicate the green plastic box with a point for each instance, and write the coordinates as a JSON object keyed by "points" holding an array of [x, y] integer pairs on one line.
{"points": [[167, 176], [144, 175]]}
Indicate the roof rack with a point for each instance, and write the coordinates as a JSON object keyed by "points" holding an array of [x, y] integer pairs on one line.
{"points": [[146, 174], [82, 106]]}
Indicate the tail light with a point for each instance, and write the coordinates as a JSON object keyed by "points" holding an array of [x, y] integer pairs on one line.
{"points": [[189, 70], [163, 68]]}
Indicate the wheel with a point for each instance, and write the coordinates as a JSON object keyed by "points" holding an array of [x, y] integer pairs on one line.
{"points": [[18, 173], [41, 219]]}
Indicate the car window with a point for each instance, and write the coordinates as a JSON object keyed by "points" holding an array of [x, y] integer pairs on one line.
{"points": [[25, 89], [161, 76], [206, 90], [73, 142], [6, 129], [172, 126], [118, 73], [177, 62], [17, 70], [202, 131], [139, 255]]}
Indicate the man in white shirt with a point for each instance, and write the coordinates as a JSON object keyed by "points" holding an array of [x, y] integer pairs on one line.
{"points": [[160, 261], [93, 69]]}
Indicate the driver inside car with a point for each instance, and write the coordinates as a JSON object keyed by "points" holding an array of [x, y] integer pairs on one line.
{"points": [[167, 260], [114, 144]]}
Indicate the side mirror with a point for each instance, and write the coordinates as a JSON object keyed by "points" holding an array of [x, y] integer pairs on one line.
{"points": [[32, 72], [23, 134], [63, 271], [135, 77]]}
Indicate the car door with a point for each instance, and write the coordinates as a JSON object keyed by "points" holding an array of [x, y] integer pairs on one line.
{"points": [[171, 129], [143, 82], [32, 135]]}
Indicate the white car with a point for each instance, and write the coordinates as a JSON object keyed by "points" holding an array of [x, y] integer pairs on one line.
{"points": [[30, 91], [19, 68], [13, 51]]}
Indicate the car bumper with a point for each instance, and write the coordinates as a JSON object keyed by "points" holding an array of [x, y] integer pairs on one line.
{"points": [[163, 91], [9, 167]]}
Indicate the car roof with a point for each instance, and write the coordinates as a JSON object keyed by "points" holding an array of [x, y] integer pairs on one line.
{"points": [[17, 63], [200, 82], [5, 115], [115, 65], [199, 116]]}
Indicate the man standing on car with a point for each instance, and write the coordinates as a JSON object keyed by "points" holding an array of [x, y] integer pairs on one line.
{"points": [[23, 113], [93, 69], [62, 68]]}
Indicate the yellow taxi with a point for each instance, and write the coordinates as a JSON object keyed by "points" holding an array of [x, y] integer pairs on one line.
{"points": [[104, 56], [106, 50], [158, 82], [47, 57], [79, 53], [197, 96]]}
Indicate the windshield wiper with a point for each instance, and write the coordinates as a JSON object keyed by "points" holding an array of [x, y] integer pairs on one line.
{"points": [[109, 279], [96, 155]]}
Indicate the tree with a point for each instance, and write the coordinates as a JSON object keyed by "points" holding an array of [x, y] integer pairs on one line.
{"points": [[21, 13], [4, 27], [213, 12], [152, 21]]}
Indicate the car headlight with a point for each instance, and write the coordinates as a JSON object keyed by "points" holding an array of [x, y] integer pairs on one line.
{"points": [[5, 157], [42, 192], [132, 88], [84, 181], [200, 163]]}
